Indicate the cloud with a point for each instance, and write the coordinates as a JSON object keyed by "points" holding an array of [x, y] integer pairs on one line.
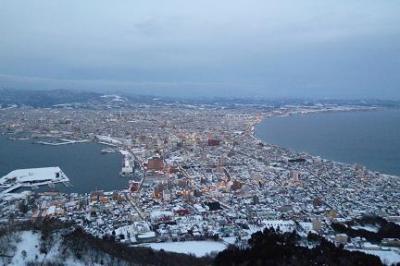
{"points": [[266, 45]]}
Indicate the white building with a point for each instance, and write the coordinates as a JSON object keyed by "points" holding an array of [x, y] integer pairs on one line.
{"points": [[32, 177]]}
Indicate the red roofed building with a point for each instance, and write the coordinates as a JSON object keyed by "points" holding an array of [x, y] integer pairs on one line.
{"points": [[156, 164]]}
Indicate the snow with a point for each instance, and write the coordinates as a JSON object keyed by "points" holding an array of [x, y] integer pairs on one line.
{"points": [[229, 240], [284, 226], [34, 174], [306, 226], [369, 228], [388, 257], [114, 97], [15, 196], [30, 243], [370, 245], [125, 230], [199, 208], [108, 139], [149, 234], [159, 214], [198, 248], [51, 210]]}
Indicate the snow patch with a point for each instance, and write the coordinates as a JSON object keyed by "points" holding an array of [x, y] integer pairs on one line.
{"points": [[388, 257], [198, 248], [369, 228]]}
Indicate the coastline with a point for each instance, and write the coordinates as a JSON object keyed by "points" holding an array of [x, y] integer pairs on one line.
{"points": [[265, 117], [83, 162], [308, 112]]}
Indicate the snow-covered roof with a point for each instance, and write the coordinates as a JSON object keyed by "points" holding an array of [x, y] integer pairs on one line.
{"points": [[145, 235], [34, 174], [108, 139], [155, 214], [284, 225]]}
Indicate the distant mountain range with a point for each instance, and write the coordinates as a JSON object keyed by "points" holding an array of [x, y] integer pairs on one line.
{"points": [[51, 98], [43, 98]]}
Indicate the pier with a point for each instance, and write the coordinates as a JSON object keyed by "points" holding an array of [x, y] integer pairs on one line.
{"points": [[64, 142]]}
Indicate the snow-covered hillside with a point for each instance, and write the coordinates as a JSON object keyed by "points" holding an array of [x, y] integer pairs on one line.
{"points": [[28, 247], [55, 243]]}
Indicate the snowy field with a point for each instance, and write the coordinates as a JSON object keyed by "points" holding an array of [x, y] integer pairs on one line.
{"points": [[27, 250], [24, 247], [30, 244], [388, 257], [197, 248]]}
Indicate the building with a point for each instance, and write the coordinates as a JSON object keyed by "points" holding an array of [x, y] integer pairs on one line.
{"points": [[213, 142], [341, 239], [159, 216], [31, 177], [134, 186], [294, 176], [127, 169], [155, 164]]}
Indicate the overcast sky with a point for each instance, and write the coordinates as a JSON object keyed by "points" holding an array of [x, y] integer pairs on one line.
{"points": [[319, 48]]}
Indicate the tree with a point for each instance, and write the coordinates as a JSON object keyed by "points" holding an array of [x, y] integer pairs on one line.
{"points": [[23, 207], [23, 253]]}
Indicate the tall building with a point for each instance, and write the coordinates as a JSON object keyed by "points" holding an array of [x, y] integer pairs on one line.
{"points": [[294, 175]]}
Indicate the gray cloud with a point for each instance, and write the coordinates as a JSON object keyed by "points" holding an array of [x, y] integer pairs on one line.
{"points": [[269, 48]]}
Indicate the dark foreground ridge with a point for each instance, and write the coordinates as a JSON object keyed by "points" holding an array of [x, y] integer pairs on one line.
{"points": [[270, 248], [386, 229], [79, 241], [265, 248]]}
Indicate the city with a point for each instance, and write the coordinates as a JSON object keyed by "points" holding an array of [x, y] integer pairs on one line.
{"points": [[199, 174], [201, 133]]}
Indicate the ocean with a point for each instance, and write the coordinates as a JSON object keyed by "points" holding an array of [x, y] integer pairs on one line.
{"points": [[83, 163], [370, 138]]}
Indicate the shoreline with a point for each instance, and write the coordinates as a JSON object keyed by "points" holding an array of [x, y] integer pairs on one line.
{"points": [[310, 112], [251, 129], [61, 187], [314, 156]]}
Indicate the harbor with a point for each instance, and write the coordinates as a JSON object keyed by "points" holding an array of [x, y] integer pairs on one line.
{"points": [[32, 178], [84, 164]]}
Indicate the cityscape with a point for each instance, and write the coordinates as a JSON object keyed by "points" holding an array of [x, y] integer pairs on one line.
{"points": [[201, 133], [195, 174]]}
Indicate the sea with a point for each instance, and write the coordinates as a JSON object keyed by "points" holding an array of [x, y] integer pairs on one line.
{"points": [[369, 138], [87, 168]]}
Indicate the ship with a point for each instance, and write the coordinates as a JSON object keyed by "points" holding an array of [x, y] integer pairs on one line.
{"points": [[107, 150]]}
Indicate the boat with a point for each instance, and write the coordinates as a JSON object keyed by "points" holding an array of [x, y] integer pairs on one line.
{"points": [[107, 150]]}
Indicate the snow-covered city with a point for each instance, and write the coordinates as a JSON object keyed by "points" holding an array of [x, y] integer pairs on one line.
{"points": [[199, 181]]}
